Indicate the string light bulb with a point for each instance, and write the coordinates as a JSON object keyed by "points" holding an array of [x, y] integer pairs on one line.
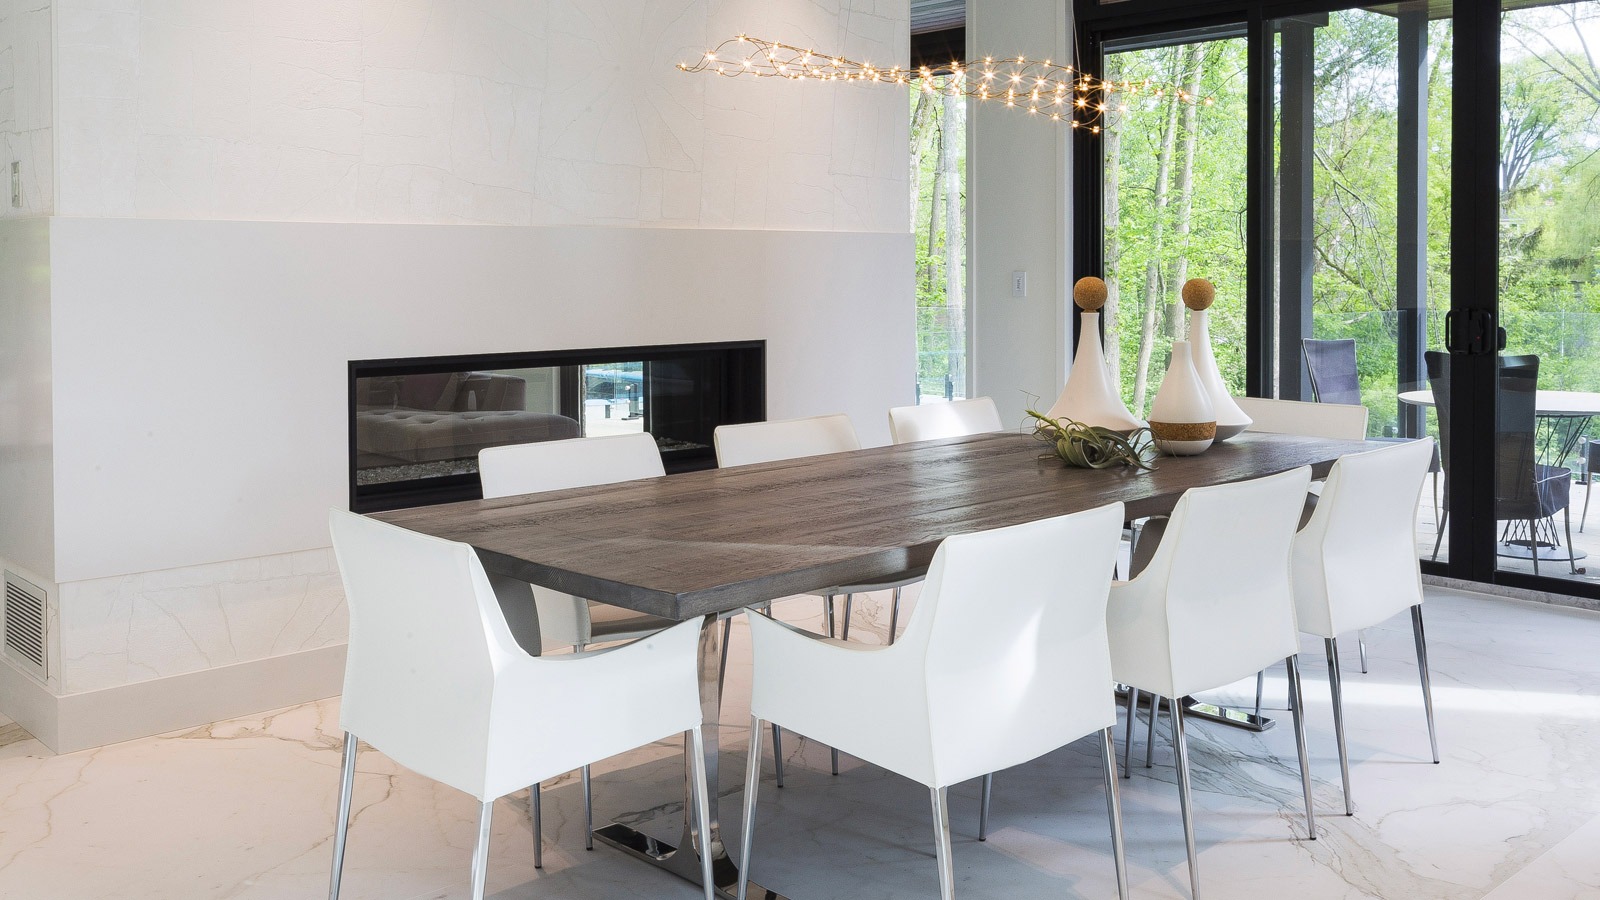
{"points": [[1034, 82]]}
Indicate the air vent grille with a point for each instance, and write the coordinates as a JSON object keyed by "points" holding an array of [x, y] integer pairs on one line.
{"points": [[25, 624]]}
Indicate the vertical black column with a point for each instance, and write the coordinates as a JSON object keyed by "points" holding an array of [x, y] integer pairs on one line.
{"points": [[1295, 210], [1474, 279], [1088, 195], [1260, 236], [1411, 215]]}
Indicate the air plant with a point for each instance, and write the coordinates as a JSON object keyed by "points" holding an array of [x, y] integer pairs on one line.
{"points": [[1094, 447]]}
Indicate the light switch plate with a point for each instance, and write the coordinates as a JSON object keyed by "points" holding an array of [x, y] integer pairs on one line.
{"points": [[1019, 284]]}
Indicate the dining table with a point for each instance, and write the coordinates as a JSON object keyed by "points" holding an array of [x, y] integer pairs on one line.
{"points": [[708, 544]]}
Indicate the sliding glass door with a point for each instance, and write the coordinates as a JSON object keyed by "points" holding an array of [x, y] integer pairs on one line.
{"points": [[1373, 240]]}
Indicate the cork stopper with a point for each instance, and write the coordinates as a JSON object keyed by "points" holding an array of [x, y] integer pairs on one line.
{"points": [[1089, 293], [1199, 293]]}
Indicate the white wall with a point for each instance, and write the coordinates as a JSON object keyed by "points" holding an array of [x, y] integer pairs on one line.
{"points": [[27, 501], [200, 407], [1018, 189], [26, 106], [508, 112], [249, 194]]}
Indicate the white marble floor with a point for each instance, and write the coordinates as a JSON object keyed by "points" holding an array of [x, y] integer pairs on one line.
{"points": [[243, 809]]}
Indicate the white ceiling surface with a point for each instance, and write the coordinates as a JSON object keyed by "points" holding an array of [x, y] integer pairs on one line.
{"points": [[937, 15]]}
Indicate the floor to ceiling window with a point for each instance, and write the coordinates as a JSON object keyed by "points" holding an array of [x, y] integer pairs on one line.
{"points": [[1174, 205], [1412, 188], [938, 219], [1549, 114]]}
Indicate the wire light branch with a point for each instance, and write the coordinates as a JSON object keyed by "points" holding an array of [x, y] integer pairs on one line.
{"points": [[1060, 93]]}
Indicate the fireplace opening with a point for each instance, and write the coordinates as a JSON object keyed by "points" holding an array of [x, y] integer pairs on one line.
{"points": [[417, 424]]}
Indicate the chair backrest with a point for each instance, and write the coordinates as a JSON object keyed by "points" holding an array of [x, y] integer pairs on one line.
{"points": [[1326, 420], [1332, 367], [575, 462], [759, 442], [1516, 417], [1011, 630], [1355, 562], [1223, 567], [932, 421], [426, 638]]}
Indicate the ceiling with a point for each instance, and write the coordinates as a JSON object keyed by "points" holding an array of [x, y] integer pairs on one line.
{"points": [[937, 15]]}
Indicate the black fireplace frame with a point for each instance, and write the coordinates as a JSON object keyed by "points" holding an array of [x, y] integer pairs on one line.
{"points": [[733, 362]]}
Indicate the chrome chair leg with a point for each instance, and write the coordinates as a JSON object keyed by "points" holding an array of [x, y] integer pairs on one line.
{"points": [[1533, 544], [700, 829], [536, 811], [1127, 743], [1150, 734], [588, 811], [777, 752], [1444, 522], [722, 667], [1298, 699], [1361, 644], [1108, 758], [983, 807], [752, 782], [1181, 748], [1261, 687], [341, 826], [1331, 645], [1427, 685], [941, 836], [480, 852], [1588, 486], [894, 613], [844, 630], [827, 615]]}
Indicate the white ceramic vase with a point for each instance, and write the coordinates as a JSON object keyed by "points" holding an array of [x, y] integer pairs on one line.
{"points": [[1090, 396], [1181, 418], [1230, 418]]}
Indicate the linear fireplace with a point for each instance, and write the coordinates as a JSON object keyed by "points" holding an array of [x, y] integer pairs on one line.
{"points": [[416, 425]]}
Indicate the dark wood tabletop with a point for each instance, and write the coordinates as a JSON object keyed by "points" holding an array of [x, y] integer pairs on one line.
{"points": [[688, 545]]}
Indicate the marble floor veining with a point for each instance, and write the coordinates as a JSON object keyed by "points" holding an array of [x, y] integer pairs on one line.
{"points": [[243, 808]]}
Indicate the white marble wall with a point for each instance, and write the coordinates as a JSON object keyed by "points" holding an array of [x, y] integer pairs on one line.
{"points": [[131, 628], [514, 112], [26, 134]]}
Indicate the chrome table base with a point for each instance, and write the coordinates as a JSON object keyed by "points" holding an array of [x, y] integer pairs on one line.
{"points": [[1224, 715], [683, 859]]}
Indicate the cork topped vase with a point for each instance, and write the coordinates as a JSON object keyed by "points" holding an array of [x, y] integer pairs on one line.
{"points": [[1181, 420], [1090, 396], [1198, 295]]}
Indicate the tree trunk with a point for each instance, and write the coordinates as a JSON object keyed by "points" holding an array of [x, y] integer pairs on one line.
{"points": [[952, 132], [931, 270], [1194, 63], [1153, 293], [1113, 214], [919, 141]]}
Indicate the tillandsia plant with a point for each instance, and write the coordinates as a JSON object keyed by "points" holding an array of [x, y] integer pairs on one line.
{"points": [[1093, 447]]}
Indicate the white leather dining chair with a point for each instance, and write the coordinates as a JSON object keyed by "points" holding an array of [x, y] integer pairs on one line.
{"points": [[562, 618], [775, 441], [931, 421], [1339, 421], [1355, 564], [1212, 607], [435, 681], [1005, 631]]}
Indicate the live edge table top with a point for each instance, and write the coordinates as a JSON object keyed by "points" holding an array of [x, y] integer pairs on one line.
{"points": [[696, 543]]}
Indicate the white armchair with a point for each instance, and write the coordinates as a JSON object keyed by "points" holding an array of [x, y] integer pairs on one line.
{"points": [[538, 614], [1005, 630], [435, 680], [1355, 564], [1212, 607]]}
